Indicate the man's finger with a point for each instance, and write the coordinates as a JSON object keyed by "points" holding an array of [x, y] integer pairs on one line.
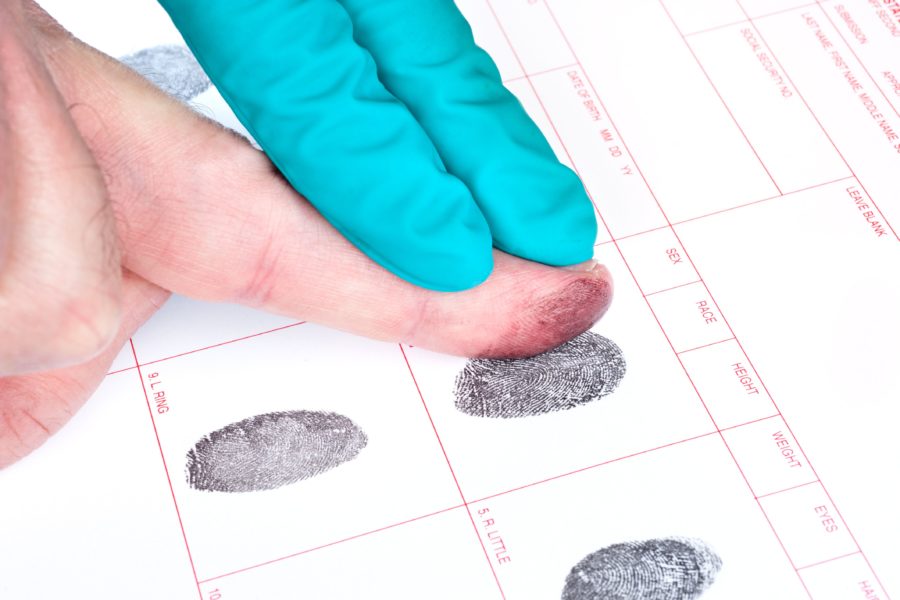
{"points": [[425, 54], [60, 277], [205, 216], [311, 97]]}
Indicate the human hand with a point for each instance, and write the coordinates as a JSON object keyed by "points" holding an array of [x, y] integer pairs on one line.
{"points": [[112, 193], [397, 128]]}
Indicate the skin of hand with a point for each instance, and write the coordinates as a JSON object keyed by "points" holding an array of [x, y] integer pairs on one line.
{"points": [[113, 194]]}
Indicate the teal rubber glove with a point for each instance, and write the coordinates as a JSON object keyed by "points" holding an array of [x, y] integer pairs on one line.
{"points": [[397, 128]]}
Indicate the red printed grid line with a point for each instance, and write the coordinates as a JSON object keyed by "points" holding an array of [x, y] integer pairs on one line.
{"points": [[674, 287], [763, 16], [330, 544], [240, 339], [760, 420], [784, 549], [121, 371], [711, 343], [754, 202], [815, 117], [793, 487], [736, 207], [592, 467], [225, 343], [829, 560], [545, 71], [162, 457]]}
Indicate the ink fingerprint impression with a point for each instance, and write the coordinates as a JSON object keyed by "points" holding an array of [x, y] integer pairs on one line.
{"points": [[584, 369], [661, 569], [268, 451], [173, 69]]}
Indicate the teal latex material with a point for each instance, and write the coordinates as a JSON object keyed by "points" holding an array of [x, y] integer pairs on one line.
{"points": [[397, 128]]}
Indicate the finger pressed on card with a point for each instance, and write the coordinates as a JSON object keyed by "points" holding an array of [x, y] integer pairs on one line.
{"points": [[205, 215]]}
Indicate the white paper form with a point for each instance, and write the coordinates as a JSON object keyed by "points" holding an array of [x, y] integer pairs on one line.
{"points": [[743, 159]]}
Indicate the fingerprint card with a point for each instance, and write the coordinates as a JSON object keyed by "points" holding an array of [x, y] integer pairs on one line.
{"points": [[724, 432]]}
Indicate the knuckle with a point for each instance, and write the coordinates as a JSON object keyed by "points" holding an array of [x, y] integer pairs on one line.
{"points": [[266, 260], [87, 323], [263, 275], [57, 329]]}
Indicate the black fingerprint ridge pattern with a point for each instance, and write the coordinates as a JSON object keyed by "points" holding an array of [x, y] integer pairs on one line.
{"points": [[582, 370], [660, 569], [171, 68], [272, 450]]}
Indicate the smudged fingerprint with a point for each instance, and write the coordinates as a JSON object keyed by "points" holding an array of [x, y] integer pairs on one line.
{"points": [[660, 569], [268, 451], [173, 69], [584, 369]]}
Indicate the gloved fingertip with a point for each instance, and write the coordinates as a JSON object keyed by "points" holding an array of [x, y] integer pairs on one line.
{"points": [[448, 269], [558, 234]]}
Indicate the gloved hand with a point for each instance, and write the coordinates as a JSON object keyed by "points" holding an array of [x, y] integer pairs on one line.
{"points": [[112, 194], [396, 126]]}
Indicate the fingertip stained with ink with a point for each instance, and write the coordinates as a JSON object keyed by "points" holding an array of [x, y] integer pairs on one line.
{"points": [[552, 320]]}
